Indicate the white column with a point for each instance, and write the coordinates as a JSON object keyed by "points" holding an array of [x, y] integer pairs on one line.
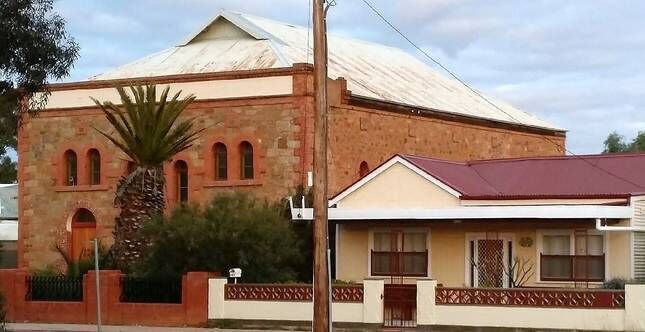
{"points": [[635, 307], [373, 300], [216, 298], [426, 310]]}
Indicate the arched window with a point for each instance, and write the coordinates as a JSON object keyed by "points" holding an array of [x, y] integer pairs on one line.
{"points": [[95, 166], [246, 161], [71, 174], [83, 232], [221, 158], [181, 172], [363, 169]]}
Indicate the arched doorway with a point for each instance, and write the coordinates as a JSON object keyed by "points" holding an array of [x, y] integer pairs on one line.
{"points": [[83, 232]]}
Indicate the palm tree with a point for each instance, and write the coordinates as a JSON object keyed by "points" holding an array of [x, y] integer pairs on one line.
{"points": [[149, 132]]}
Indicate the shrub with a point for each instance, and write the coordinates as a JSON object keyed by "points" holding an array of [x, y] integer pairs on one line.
{"points": [[234, 230], [615, 283]]}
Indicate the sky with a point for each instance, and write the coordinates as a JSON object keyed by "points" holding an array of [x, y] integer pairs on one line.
{"points": [[579, 64]]}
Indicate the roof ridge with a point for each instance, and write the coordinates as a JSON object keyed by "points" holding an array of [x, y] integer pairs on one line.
{"points": [[562, 157]]}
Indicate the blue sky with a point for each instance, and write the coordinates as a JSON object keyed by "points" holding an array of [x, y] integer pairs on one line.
{"points": [[577, 64]]}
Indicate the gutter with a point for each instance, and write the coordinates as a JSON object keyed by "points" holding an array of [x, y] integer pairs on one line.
{"points": [[601, 227]]}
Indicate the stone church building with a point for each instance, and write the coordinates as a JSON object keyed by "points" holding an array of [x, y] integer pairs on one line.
{"points": [[252, 78]]}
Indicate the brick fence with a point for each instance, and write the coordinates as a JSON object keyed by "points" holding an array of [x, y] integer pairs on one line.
{"points": [[192, 311]]}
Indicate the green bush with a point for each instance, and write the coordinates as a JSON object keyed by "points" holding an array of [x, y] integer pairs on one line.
{"points": [[234, 230], [615, 283]]}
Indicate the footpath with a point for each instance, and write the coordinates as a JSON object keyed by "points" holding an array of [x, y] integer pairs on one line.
{"points": [[28, 327]]}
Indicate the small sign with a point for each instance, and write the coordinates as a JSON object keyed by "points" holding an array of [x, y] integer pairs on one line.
{"points": [[235, 273]]}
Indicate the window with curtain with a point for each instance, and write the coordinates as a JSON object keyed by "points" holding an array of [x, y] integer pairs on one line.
{"points": [[572, 257], [181, 172], [246, 161], [221, 159], [71, 171], [399, 253], [95, 167]]}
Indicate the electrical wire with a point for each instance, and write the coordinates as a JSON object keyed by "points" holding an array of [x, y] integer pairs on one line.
{"points": [[427, 55]]}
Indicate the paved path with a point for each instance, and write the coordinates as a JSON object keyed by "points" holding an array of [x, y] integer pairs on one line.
{"points": [[92, 328]]}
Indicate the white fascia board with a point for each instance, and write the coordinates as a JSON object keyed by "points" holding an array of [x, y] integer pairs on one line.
{"points": [[475, 212], [394, 160]]}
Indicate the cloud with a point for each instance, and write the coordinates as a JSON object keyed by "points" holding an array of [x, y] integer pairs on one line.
{"points": [[575, 63]]}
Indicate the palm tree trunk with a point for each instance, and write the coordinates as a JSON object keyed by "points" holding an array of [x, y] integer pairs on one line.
{"points": [[140, 196]]}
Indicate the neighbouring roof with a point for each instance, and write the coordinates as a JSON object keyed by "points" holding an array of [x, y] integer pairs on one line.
{"points": [[589, 176], [8, 201], [234, 41]]}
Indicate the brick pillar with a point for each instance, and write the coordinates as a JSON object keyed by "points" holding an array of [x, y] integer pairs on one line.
{"points": [[635, 307], [8, 290], [426, 309], [110, 292], [373, 300], [195, 298], [20, 292]]}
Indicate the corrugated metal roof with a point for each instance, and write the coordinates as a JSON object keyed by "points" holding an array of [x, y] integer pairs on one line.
{"points": [[542, 177], [235, 41], [9, 201]]}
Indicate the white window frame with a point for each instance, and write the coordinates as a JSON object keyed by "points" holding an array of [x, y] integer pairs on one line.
{"points": [[370, 245], [539, 248], [506, 237]]}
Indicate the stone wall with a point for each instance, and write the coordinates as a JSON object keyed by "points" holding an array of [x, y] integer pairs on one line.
{"points": [[280, 129]]}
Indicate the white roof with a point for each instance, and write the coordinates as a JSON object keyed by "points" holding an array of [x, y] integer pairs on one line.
{"points": [[235, 41]]}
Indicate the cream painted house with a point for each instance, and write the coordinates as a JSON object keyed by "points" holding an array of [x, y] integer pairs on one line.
{"points": [[565, 221]]}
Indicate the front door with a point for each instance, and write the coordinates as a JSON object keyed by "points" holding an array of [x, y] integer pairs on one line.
{"points": [[489, 260]]}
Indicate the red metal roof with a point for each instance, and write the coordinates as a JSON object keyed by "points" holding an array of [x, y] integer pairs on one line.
{"points": [[590, 176]]}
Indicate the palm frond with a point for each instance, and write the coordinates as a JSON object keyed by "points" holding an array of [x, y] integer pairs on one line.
{"points": [[147, 129]]}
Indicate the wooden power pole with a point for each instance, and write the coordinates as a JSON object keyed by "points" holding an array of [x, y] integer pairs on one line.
{"points": [[321, 268]]}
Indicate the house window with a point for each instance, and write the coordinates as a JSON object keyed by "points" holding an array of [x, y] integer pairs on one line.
{"points": [[181, 171], [570, 256], [71, 175], [363, 169], [400, 253], [221, 159], [95, 166], [246, 158]]}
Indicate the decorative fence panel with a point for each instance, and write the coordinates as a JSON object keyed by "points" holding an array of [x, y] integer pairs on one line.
{"points": [[56, 288], [150, 290], [531, 297], [295, 293]]}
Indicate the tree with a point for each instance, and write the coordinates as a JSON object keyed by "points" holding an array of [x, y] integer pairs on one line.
{"points": [[8, 171], [234, 231], [616, 143], [35, 48], [150, 133]]}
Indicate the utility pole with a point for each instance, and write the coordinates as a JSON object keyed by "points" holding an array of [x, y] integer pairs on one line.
{"points": [[321, 269]]}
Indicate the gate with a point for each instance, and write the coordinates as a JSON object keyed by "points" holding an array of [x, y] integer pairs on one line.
{"points": [[400, 305]]}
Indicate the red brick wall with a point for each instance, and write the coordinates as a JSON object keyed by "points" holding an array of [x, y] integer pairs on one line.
{"points": [[193, 310], [281, 131]]}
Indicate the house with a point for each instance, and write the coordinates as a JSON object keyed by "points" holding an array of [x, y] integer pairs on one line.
{"points": [[8, 225], [564, 221], [253, 82]]}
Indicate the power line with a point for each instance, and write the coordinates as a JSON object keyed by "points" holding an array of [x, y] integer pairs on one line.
{"points": [[427, 55]]}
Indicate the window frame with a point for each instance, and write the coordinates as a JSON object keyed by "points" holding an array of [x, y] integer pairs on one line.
{"points": [[179, 172], [246, 161], [572, 253], [218, 162], [70, 171], [371, 244], [94, 168]]}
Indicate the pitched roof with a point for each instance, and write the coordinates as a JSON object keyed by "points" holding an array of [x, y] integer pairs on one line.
{"points": [[612, 175], [8, 201], [234, 41]]}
